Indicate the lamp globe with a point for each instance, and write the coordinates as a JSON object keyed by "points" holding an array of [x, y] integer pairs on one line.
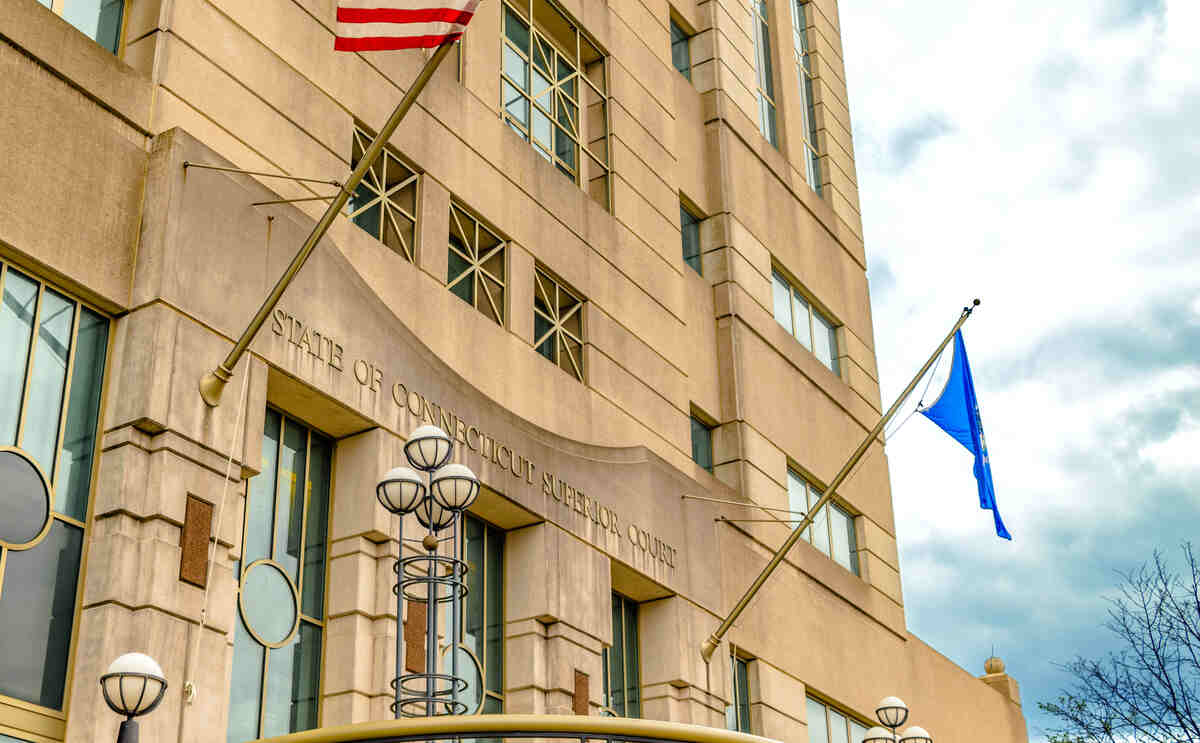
{"points": [[879, 735], [133, 685], [891, 712], [433, 515], [428, 448], [400, 491], [915, 735], [454, 487]]}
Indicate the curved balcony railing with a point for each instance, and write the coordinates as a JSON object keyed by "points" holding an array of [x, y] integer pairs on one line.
{"points": [[458, 728]]}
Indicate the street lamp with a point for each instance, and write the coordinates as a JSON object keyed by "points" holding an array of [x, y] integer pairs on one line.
{"points": [[429, 578], [892, 713], [134, 685]]}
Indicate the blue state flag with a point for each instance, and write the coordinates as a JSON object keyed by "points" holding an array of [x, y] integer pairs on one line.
{"points": [[957, 413]]}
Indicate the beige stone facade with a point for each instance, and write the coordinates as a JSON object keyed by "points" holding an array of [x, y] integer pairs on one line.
{"points": [[584, 478]]}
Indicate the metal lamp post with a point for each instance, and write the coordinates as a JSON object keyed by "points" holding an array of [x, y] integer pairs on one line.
{"points": [[133, 686], [892, 713], [430, 578]]}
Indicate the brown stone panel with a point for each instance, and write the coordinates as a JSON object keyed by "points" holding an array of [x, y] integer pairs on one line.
{"points": [[193, 542], [580, 703], [414, 638]]}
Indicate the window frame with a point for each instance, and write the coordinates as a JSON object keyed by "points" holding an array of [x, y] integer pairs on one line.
{"points": [[812, 495], [808, 105], [594, 152], [624, 602], [689, 217], [16, 714], [489, 531], [699, 420], [851, 720], [817, 319], [681, 39], [380, 193], [476, 271], [558, 331], [242, 566], [58, 7], [764, 69], [739, 664]]}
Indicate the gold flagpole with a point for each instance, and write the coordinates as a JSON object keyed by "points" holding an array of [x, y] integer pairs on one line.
{"points": [[213, 383], [710, 645]]}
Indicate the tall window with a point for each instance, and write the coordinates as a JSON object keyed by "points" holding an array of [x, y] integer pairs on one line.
{"points": [[51, 372], [275, 688], [99, 20], [385, 202], [550, 73], [765, 72], [681, 56], [622, 673], [812, 160], [689, 229], [737, 712], [827, 725], [797, 315], [702, 453], [475, 267], [832, 529], [558, 324], [483, 612]]}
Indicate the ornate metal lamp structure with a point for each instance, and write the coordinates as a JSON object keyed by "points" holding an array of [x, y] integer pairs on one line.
{"points": [[133, 686], [892, 713], [430, 577]]}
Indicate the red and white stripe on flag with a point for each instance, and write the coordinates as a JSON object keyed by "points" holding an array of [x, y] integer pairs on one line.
{"points": [[377, 25]]}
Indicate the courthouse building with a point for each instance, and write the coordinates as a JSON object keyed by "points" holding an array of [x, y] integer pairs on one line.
{"points": [[615, 251]]}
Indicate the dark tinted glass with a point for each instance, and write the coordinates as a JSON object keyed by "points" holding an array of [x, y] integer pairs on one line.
{"points": [[260, 508], [680, 56], [494, 660], [17, 307], [245, 687], [36, 613], [632, 668], [306, 677], [689, 227], [24, 502], [701, 444], [313, 582], [74, 474], [743, 695], [290, 503]]}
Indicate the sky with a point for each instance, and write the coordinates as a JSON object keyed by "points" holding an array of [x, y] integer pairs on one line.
{"points": [[1044, 157]]}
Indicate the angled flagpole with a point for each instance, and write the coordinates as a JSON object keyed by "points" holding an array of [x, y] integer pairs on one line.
{"points": [[709, 646], [213, 383]]}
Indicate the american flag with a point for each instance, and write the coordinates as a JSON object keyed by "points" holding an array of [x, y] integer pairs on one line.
{"points": [[377, 25]]}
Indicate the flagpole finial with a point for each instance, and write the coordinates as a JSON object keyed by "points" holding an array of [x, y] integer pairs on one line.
{"points": [[976, 302]]}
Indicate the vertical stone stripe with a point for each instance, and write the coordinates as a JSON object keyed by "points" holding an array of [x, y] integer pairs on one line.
{"points": [[414, 638], [580, 702], [193, 542]]}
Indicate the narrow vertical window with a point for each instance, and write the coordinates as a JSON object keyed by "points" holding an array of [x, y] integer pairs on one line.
{"points": [[622, 673], [475, 267], [702, 453], [689, 229], [554, 92], [796, 314], [765, 72], [483, 611], [832, 530], [558, 324], [681, 56], [278, 632], [737, 712], [828, 725], [51, 374], [385, 203], [812, 157]]}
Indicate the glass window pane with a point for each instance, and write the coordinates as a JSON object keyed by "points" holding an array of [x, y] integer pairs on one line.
{"points": [[9, 739], [820, 525], [633, 676], [857, 732], [616, 657], [802, 330], [24, 500], [516, 30], [456, 267], [473, 621], [680, 56], [79, 440], [743, 695], [766, 78], [37, 610], [731, 721], [312, 589], [824, 343], [702, 444], [494, 572], [516, 67], [100, 20], [306, 679], [798, 501], [260, 506], [290, 503], [689, 227], [245, 686], [47, 380], [840, 526], [837, 727], [818, 730], [277, 700], [16, 328], [782, 294]]}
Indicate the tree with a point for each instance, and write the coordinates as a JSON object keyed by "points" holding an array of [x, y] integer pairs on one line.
{"points": [[1149, 689]]}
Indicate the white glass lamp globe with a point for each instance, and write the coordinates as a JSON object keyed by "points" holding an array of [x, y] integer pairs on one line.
{"points": [[433, 515], [133, 685], [879, 735], [891, 712], [400, 490], [915, 735], [454, 486], [428, 448]]}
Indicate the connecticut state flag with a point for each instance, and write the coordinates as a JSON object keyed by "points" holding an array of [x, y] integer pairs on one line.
{"points": [[957, 413], [380, 25]]}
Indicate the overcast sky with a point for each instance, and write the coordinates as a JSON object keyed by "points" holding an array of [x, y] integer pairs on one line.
{"points": [[1045, 157]]}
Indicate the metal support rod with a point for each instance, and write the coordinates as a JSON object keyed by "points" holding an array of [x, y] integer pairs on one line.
{"points": [[187, 164], [399, 613], [431, 642], [755, 521], [456, 545], [745, 504], [709, 646], [291, 201], [213, 383]]}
